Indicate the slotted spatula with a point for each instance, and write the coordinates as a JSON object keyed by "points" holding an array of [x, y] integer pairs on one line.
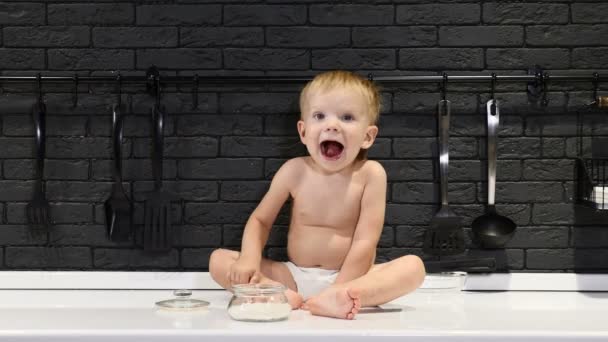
{"points": [[445, 235], [157, 221]]}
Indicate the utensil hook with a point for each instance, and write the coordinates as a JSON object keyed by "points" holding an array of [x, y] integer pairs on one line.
{"points": [[157, 86], [443, 103], [493, 86], [596, 85], [119, 89], [39, 87], [544, 84], [444, 86], [492, 103]]}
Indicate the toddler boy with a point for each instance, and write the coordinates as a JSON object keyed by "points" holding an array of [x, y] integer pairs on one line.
{"points": [[337, 215]]}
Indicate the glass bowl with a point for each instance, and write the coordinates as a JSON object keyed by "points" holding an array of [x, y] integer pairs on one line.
{"points": [[444, 281], [259, 303]]}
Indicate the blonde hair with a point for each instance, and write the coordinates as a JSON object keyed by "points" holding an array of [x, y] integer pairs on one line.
{"points": [[345, 79]]}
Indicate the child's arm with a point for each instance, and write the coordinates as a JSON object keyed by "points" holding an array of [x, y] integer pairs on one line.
{"points": [[259, 224], [362, 252]]}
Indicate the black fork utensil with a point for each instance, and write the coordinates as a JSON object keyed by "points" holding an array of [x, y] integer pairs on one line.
{"points": [[157, 234], [118, 207], [38, 209]]}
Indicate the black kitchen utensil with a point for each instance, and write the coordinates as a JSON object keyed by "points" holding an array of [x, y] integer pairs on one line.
{"points": [[445, 235], [118, 207], [591, 184], [157, 222], [38, 209], [492, 230], [470, 265]]}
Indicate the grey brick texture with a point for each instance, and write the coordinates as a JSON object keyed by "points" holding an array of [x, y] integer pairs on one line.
{"points": [[220, 156]]}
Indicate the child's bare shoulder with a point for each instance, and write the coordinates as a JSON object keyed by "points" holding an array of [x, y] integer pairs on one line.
{"points": [[294, 166], [373, 169]]}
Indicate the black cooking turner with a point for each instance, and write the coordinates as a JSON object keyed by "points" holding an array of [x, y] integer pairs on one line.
{"points": [[445, 235]]}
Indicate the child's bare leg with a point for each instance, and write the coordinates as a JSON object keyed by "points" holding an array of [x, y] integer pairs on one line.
{"points": [[272, 272], [383, 283]]}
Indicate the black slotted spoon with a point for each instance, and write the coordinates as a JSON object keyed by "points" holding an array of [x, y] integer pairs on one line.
{"points": [[158, 235], [445, 235], [118, 207]]}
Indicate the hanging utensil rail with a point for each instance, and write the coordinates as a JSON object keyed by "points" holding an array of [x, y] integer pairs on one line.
{"points": [[201, 80], [537, 80]]}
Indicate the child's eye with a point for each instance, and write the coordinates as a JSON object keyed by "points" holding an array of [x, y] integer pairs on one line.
{"points": [[318, 116], [348, 117]]}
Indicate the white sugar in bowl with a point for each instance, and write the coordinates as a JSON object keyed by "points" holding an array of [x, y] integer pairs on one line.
{"points": [[259, 303]]}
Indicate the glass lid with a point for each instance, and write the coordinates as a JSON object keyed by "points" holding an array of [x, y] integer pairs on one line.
{"points": [[182, 301]]}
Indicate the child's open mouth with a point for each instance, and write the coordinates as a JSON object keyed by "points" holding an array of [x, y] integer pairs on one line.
{"points": [[331, 149]]}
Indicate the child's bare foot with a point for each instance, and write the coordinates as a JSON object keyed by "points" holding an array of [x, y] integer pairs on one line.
{"points": [[294, 298], [335, 302]]}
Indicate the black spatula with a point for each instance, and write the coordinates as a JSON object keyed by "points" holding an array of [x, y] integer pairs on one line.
{"points": [[118, 207], [445, 235]]}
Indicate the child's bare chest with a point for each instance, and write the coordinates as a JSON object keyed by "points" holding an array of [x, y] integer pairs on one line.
{"points": [[335, 204]]}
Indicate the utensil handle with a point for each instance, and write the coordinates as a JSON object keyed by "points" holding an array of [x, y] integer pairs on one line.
{"points": [[493, 117], [117, 143], [39, 118], [443, 108], [158, 118]]}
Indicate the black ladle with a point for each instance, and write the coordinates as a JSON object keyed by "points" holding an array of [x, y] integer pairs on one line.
{"points": [[491, 229]]}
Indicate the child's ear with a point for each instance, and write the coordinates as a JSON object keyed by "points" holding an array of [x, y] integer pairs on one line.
{"points": [[301, 130], [370, 136]]}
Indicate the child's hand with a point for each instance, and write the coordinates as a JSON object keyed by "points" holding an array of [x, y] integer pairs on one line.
{"points": [[244, 271]]}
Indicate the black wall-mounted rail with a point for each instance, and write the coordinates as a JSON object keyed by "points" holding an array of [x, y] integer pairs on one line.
{"points": [[202, 80], [537, 80]]}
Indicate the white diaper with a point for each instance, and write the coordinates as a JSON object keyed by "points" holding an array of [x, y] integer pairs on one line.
{"points": [[311, 280]]}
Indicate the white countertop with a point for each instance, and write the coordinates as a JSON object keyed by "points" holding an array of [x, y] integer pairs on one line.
{"points": [[427, 315]]}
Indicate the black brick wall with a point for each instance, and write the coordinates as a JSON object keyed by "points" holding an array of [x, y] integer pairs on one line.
{"points": [[221, 156]]}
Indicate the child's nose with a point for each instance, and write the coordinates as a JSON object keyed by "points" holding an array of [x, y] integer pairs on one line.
{"points": [[332, 125]]}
